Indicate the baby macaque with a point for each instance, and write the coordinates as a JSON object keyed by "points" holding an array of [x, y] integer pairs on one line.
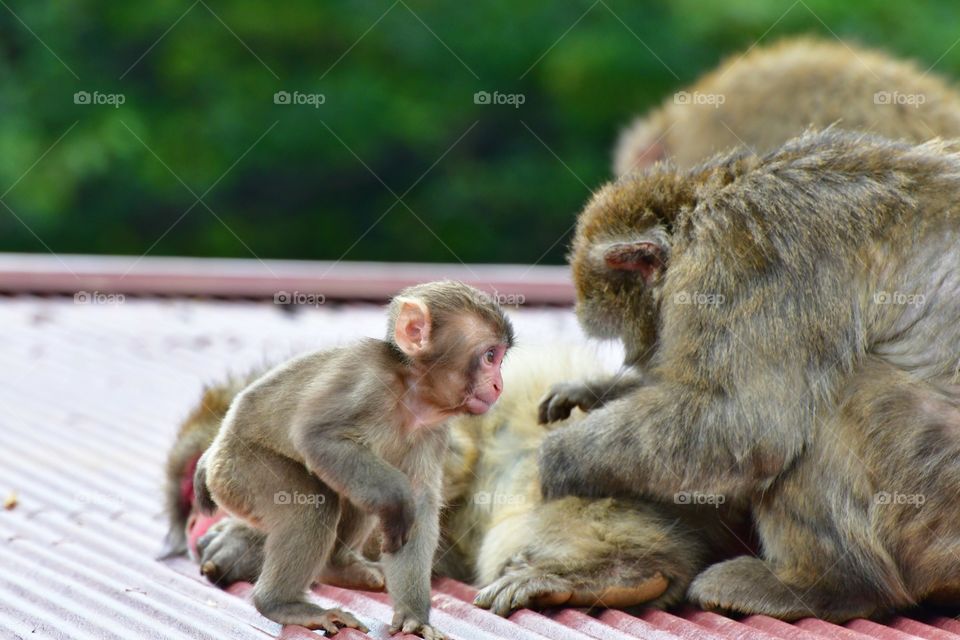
{"points": [[321, 448]]}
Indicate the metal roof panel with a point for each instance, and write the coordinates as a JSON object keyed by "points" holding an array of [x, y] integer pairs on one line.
{"points": [[91, 397]]}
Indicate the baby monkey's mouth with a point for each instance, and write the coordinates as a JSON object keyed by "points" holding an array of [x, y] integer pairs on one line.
{"points": [[477, 406]]}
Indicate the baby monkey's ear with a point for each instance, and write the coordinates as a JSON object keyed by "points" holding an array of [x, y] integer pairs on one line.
{"points": [[412, 331], [647, 258]]}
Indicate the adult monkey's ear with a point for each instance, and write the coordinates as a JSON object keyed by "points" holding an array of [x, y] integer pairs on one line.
{"points": [[412, 330], [646, 257]]}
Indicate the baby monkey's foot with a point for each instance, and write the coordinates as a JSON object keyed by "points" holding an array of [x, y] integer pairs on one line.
{"points": [[354, 572], [311, 616], [409, 624]]}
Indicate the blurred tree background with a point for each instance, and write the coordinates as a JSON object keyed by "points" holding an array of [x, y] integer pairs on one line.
{"points": [[201, 160]]}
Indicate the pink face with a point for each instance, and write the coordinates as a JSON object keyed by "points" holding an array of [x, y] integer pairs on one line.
{"points": [[488, 383]]}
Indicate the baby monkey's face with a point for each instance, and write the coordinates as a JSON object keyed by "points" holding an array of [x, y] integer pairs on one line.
{"points": [[472, 356], [487, 382], [454, 338]]}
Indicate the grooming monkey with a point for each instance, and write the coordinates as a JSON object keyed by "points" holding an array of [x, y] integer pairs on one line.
{"points": [[796, 314], [319, 449], [768, 95]]}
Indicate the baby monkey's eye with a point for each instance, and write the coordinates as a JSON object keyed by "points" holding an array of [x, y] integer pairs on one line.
{"points": [[489, 356]]}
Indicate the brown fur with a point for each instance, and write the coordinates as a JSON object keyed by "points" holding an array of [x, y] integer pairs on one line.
{"points": [[802, 344], [772, 93]]}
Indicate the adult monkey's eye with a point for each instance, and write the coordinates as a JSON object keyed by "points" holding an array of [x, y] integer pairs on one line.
{"points": [[489, 356]]}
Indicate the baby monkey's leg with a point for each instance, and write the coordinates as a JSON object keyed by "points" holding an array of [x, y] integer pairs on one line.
{"points": [[301, 516], [347, 567]]}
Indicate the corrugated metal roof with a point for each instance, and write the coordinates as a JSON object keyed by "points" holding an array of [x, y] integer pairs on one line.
{"points": [[91, 396]]}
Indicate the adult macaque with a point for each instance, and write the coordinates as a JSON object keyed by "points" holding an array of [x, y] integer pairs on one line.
{"points": [[797, 314], [321, 448], [770, 94]]}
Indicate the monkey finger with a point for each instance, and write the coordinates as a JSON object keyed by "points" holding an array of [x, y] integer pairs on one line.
{"points": [[503, 602], [210, 570], [484, 597], [329, 627], [560, 408], [204, 541], [212, 541], [333, 620], [432, 633], [542, 409], [345, 619], [402, 624], [550, 599]]}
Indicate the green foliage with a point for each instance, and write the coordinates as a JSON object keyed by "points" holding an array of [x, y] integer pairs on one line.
{"points": [[479, 182]]}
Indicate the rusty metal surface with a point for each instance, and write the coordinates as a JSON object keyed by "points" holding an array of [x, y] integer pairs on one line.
{"points": [[91, 395]]}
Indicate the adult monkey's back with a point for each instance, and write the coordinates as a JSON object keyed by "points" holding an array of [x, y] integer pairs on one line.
{"points": [[762, 98]]}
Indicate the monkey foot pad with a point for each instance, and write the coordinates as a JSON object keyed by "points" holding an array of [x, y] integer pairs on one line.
{"points": [[92, 395]]}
